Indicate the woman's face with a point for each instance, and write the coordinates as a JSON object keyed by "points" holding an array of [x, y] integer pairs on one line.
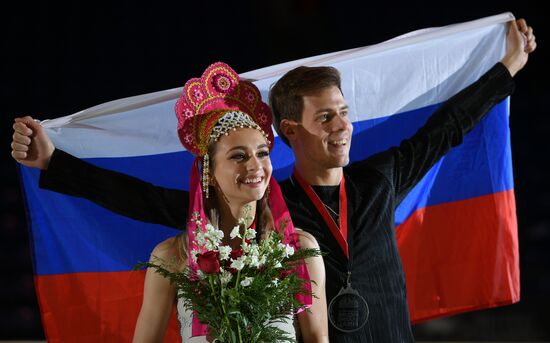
{"points": [[241, 166]]}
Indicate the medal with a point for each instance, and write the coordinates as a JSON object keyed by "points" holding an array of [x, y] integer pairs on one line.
{"points": [[348, 311]]}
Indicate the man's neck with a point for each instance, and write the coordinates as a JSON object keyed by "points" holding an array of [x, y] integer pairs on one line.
{"points": [[320, 176]]}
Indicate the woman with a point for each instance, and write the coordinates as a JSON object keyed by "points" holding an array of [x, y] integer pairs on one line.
{"points": [[238, 174], [224, 123]]}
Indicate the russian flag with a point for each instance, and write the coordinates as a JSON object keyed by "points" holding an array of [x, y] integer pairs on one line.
{"points": [[456, 230]]}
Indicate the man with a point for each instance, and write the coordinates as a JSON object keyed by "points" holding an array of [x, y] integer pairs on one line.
{"points": [[312, 113], [350, 210]]}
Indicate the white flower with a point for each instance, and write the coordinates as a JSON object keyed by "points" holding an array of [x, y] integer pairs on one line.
{"points": [[253, 253], [261, 261], [245, 245], [238, 263], [235, 232], [278, 265], [213, 234], [209, 245], [253, 261], [249, 233], [266, 247], [247, 281], [194, 255], [275, 282], [252, 249], [225, 250], [200, 238], [225, 276], [289, 250], [201, 274], [197, 218]]}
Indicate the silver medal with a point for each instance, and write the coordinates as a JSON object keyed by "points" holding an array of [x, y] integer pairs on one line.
{"points": [[348, 311]]}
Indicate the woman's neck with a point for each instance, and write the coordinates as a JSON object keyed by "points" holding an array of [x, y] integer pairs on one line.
{"points": [[229, 214]]}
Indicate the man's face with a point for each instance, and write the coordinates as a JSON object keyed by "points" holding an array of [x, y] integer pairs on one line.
{"points": [[323, 138]]}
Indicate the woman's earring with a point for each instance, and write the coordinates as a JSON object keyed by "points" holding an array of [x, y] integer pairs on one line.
{"points": [[205, 173]]}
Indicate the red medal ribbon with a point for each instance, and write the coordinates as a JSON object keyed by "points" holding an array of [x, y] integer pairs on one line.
{"points": [[340, 232]]}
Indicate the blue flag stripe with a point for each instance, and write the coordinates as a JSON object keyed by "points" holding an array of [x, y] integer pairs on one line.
{"points": [[84, 237]]}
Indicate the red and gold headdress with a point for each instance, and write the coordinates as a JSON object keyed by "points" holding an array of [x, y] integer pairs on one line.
{"points": [[216, 103]]}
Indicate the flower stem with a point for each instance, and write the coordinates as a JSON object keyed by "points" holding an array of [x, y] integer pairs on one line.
{"points": [[239, 331], [212, 287], [237, 286]]}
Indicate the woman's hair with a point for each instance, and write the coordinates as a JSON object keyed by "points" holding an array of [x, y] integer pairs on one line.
{"points": [[182, 249], [264, 222]]}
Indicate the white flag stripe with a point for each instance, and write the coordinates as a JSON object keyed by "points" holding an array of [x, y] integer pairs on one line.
{"points": [[407, 39], [411, 71]]}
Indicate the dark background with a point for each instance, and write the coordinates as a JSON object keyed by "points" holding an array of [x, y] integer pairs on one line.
{"points": [[59, 59]]}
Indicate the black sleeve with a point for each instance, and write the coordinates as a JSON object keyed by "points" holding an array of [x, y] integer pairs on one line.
{"points": [[115, 191], [405, 165]]}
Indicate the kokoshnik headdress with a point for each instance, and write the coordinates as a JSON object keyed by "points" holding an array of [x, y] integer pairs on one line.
{"points": [[211, 106], [215, 104]]}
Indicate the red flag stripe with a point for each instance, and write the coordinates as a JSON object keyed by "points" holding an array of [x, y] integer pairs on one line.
{"points": [[93, 307], [461, 256]]}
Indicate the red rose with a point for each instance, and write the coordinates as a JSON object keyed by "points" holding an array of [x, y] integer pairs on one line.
{"points": [[235, 254], [284, 273], [209, 262]]}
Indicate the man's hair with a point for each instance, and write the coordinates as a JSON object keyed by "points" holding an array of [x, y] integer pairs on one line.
{"points": [[286, 95]]}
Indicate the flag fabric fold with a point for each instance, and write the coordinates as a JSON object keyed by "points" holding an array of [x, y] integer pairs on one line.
{"points": [[456, 230]]}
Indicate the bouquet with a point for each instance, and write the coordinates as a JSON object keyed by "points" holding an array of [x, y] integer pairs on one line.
{"points": [[241, 293]]}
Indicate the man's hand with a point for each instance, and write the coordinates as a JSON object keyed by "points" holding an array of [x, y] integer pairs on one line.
{"points": [[520, 42], [31, 145]]}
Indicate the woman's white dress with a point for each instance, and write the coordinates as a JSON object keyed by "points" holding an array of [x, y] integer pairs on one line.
{"points": [[185, 318]]}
